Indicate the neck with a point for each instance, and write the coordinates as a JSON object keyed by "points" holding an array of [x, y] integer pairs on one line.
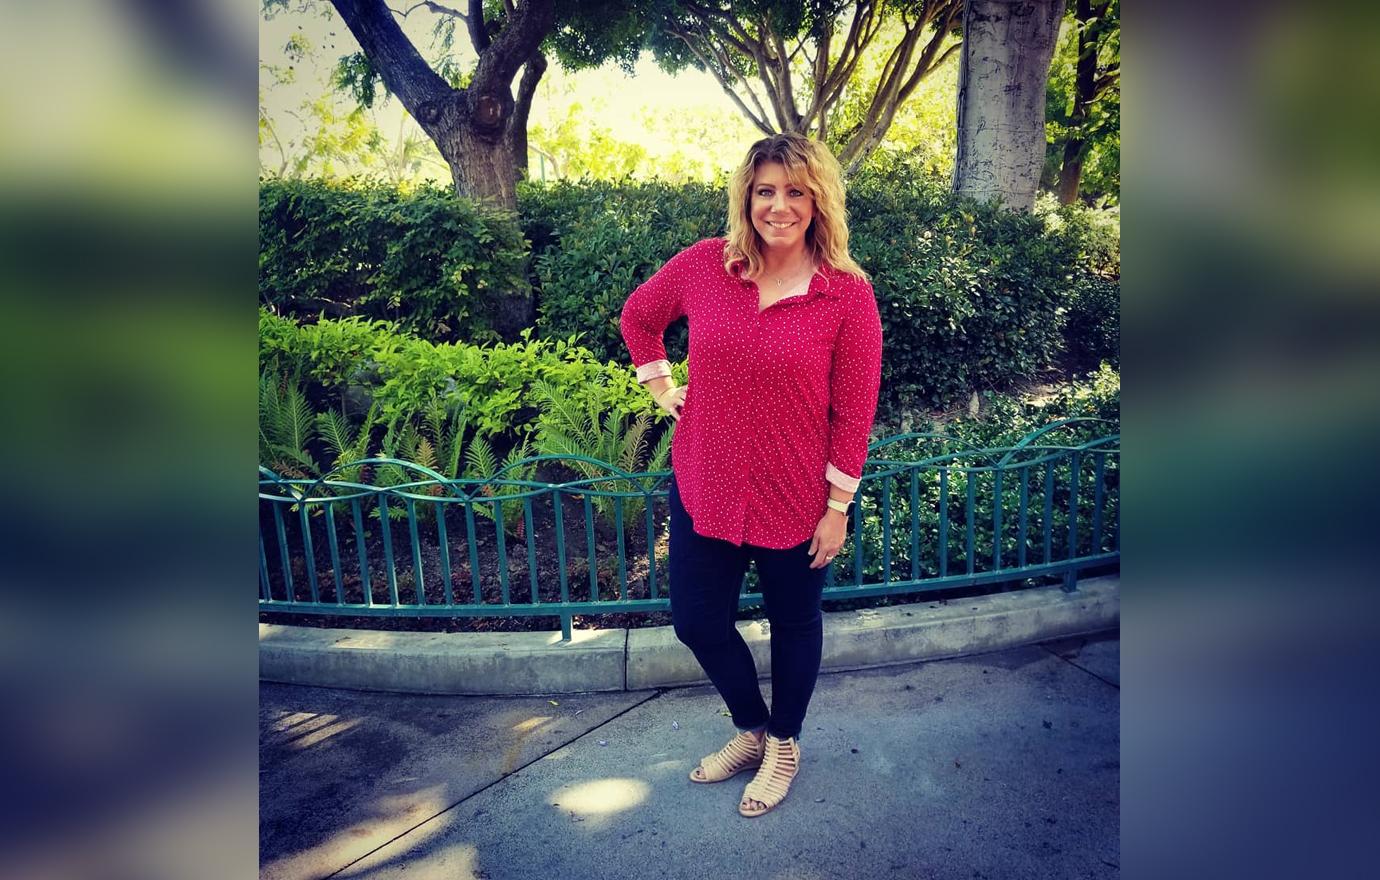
{"points": [[777, 261]]}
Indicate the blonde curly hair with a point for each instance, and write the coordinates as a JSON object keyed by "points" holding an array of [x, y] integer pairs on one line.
{"points": [[809, 164]]}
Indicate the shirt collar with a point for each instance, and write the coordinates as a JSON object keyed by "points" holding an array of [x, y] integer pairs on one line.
{"points": [[827, 281]]}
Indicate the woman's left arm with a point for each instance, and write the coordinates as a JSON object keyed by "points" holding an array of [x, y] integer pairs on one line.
{"points": [[855, 378]]}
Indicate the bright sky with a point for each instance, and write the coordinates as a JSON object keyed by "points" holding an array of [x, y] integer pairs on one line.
{"points": [[611, 99]]}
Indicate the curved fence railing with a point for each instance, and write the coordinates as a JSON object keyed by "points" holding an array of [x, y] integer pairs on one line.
{"points": [[393, 538]]}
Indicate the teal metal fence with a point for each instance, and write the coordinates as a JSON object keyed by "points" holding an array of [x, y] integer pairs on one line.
{"points": [[382, 537]]}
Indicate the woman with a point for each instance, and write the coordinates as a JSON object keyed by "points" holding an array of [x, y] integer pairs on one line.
{"points": [[785, 360]]}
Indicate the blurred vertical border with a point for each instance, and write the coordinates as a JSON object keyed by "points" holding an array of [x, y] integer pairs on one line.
{"points": [[1251, 348], [128, 232]]}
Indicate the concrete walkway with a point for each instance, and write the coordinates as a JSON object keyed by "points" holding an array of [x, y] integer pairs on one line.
{"points": [[996, 765]]}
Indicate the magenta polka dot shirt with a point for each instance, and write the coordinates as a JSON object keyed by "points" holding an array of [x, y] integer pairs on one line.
{"points": [[779, 404]]}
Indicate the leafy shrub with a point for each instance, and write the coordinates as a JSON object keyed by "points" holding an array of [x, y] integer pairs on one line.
{"points": [[1094, 234], [360, 366], [287, 426], [614, 421], [1092, 326], [433, 263], [594, 242], [971, 297], [332, 354], [446, 407], [1005, 420]]}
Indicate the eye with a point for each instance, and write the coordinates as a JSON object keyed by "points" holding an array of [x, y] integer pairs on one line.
{"points": [[796, 192], [764, 192]]}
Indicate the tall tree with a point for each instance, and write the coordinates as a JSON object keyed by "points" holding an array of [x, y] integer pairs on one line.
{"points": [[472, 114], [786, 63], [478, 128], [1007, 47], [477, 123], [1092, 110]]}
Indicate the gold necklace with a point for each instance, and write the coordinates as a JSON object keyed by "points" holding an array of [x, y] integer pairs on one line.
{"points": [[780, 282]]}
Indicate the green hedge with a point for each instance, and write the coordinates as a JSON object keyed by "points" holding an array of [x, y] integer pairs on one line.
{"points": [[430, 262], [971, 297], [1004, 421], [594, 242], [354, 365], [1093, 324]]}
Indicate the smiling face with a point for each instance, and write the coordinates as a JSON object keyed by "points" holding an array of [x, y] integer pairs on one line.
{"points": [[781, 211]]}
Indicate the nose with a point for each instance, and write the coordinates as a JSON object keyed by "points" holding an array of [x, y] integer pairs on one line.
{"points": [[778, 202]]}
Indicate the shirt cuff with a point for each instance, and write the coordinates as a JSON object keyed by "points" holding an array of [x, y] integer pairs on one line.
{"points": [[840, 479], [653, 370]]}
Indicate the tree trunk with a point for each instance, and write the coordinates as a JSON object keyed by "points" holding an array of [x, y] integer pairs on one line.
{"points": [[1084, 93], [1007, 48], [532, 72], [472, 127], [1071, 171], [475, 144]]}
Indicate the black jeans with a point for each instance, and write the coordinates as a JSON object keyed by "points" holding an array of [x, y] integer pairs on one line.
{"points": [[706, 576]]}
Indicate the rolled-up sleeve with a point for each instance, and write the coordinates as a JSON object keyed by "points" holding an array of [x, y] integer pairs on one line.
{"points": [[854, 380], [650, 309]]}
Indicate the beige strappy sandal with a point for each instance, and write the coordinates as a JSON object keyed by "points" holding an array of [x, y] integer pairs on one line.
{"points": [[743, 752], [780, 764]]}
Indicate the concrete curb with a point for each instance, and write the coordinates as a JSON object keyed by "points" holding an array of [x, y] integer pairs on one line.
{"points": [[638, 659]]}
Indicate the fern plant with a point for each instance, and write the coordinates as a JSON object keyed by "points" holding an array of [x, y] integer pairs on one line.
{"points": [[345, 443], [404, 441], [286, 428], [440, 445], [484, 465], [592, 430]]}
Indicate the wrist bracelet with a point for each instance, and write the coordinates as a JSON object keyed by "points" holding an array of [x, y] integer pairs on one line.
{"points": [[840, 506]]}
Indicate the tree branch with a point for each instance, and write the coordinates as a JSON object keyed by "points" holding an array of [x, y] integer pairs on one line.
{"points": [[769, 73], [532, 73], [791, 115], [889, 82], [820, 66], [1106, 81], [710, 16], [899, 80], [555, 165], [713, 68], [434, 7], [859, 36], [726, 64], [745, 45], [523, 33], [479, 32], [392, 54], [927, 64], [273, 131], [820, 100], [939, 62]]}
